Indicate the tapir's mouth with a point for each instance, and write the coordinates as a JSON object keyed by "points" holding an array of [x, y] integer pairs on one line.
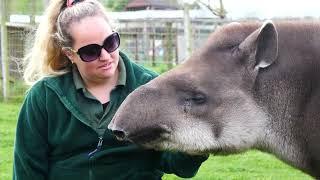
{"points": [[148, 135]]}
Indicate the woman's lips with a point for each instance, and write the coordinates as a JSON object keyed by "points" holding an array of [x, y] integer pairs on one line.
{"points": [[106, 66]]}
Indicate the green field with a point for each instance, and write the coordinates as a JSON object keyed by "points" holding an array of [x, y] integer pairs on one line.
{"points": [[250, 165]]}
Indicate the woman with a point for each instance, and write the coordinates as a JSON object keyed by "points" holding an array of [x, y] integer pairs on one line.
{"points": [[79, 79]]}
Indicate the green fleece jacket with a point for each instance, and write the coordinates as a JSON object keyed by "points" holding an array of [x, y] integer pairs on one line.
{"points": [[56, 139]]}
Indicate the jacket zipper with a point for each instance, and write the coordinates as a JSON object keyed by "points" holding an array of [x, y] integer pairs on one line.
{"points": [[91, 160], [100, 141]]}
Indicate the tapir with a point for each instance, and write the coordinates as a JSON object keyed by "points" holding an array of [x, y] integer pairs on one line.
{"points": [[252, 85]]}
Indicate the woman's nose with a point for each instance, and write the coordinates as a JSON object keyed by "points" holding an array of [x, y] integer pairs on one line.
{"points": [[104, 56]]}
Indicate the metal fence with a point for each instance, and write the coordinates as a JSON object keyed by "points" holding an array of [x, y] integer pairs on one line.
{"points": [[158, 42], [161, 41]]}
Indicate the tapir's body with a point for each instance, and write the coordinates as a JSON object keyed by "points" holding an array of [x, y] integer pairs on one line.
{"points": [[252, 85]]}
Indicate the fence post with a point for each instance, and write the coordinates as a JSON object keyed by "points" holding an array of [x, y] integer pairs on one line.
{"points": [[136, 46], [153, 59], [187, 28], [4, 51], [146, 44], [169, 45], [33, 13]]}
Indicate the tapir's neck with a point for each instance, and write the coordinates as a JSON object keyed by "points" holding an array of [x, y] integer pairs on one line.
{"points": [[283, 100], [276, 142]]}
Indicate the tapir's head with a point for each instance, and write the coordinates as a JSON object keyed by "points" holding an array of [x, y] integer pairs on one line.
{"points": [[205, 104]]}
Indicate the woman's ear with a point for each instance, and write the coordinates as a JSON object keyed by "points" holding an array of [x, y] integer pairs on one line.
{"points": [[69, 53]]}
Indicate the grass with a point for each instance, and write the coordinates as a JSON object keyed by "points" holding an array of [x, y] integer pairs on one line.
{"points": [[16, 90], [8, 117], [249, 165], [159, 68]]}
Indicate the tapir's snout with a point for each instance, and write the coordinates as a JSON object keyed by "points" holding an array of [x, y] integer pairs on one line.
{"points": [[137, 123], [140, 136], [119, 133]]}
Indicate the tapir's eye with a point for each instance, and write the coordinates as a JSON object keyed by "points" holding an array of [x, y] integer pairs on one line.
{"points": [[193, 102], [234, 50], [198, 98]]}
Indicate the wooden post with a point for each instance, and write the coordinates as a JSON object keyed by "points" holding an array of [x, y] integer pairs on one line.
{"points": [[176, 46], [33, 12], [187, 29], [136, 47], [4, 51], [153, 50], [169, 45], [145, 43], [153, 46]]}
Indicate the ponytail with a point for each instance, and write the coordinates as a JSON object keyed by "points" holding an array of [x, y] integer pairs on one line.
{"points": [[46, 57]]}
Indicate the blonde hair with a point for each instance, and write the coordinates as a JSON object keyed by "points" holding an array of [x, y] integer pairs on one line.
{"points": [[46, 57]]}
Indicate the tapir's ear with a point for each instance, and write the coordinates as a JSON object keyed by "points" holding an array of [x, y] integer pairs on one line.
{"points": [[262, 45]]}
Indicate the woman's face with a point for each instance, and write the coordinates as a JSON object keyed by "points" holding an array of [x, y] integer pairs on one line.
{"points": [[93, 30]]}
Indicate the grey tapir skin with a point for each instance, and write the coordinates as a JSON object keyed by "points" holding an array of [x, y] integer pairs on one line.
{"points": [[252, 85]]}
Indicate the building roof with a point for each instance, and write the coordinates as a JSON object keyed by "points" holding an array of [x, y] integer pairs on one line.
{"points": [[152, 4], [135, 15], [195, 14]]}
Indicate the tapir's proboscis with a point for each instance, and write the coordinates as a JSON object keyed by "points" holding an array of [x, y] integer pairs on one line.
{"points": [[251, 85]]}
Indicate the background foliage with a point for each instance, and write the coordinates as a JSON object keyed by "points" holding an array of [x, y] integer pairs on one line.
{"points": [[116, 5], [37, 6]]}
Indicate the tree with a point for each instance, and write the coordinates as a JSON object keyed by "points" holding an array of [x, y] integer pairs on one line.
{"points": [[116, 5]]}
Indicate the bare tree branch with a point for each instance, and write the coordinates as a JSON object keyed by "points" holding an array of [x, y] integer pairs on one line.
{"points": [[220, 12]]}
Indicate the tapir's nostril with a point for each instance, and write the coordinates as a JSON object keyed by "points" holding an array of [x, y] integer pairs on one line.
{"points": [[119, 134]]}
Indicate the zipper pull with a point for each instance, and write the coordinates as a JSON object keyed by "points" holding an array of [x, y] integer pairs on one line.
{"points": [[100, 143], [98, 147]]}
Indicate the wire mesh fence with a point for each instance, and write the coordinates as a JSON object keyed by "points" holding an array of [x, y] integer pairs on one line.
{"points": [[156, 43], [162, 41]]}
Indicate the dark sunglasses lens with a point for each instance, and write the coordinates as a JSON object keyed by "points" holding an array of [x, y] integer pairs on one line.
{"points": [[112, 42], [76, 1], [90, 52]]}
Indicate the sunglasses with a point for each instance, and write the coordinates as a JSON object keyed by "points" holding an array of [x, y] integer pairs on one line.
{"points": [[92, 52]]}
